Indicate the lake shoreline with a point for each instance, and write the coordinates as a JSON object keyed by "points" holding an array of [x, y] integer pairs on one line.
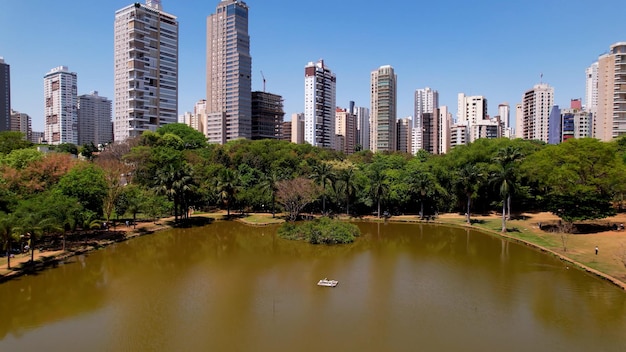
{"points": [[45, 260]]}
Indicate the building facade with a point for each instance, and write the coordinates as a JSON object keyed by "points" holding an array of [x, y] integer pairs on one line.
{"points": [[5, 96], [94, 119], [383, 83], [610, 119], [426, 101], [471, 111], [229, 72], [319, 105], [22, 122], [297, 128], [267, 115], [536, 107], [362, 127], [591, 88], [445, 124], [146, 69], [60, 102], [345, 130]]}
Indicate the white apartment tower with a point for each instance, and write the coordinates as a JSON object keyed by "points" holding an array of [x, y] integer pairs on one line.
{"points": [[445, 124], [345, 130], [146, 69], [363, 127], [536, 105], [319, 105], [610, 119], [471, 111], [60, 100], [591, 88], [229, 73], [426, 101], [383, 109], [94, 119]]}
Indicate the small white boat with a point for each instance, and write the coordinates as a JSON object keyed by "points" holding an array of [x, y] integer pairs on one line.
{"points": [[327, 283]]}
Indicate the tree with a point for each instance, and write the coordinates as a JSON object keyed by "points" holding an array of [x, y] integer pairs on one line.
{"points": [[191, 138], [21, 158], [8, 223], [12, 140], [378, 186], [347, 176], [88, 150], [86, 182], [508, 159], [425, 185], [227, 187], [578, 177], [503, 177], [469, 180], [323, 175], [175, 183], [269, 184], [296, 194]]}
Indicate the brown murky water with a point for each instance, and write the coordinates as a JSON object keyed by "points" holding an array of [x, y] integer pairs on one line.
{"points": [[228, 287]]}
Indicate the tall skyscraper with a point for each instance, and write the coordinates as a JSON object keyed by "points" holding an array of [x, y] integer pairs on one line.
{"points": [[403, 134], [610, 119], [519, 120], [229, 73], [146, 69], [591, 88], [60, 94], [445, 124], [536, 106], [362, 126], [471, 111], [345, 130], [94, 119], [5, 96], [383, 109], [267, 115], [426, 101], [319, 105]]}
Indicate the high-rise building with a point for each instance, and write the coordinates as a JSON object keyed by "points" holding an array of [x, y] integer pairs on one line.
{"points": [[267, 115], [146, 69], [94, 119], [591, 88], [5, 96], [403, 134], [610, 119], [345, 130], [426, 101], [229, 72], [445, 123], [297, 128], [319, 105], [60, 101], [536, 107], [362, 127], [383, 109], [471, 111], [285, 131], [519, 120], [22, 122], [197, 119]]}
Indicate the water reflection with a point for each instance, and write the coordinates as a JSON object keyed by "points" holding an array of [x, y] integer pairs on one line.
{"points": [[231, 287]]}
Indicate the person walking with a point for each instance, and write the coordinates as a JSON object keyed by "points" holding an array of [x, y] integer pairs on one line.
{"points": [[596, 250]]}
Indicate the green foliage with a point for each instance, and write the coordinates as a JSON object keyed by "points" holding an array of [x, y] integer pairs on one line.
{"points": [[189, 137], [88, 150], [85, 182], [320, 231], [68, 148], [20, 158], [12, 140]]}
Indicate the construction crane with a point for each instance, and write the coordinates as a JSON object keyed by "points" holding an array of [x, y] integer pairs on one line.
{"points": [[263, 81]]}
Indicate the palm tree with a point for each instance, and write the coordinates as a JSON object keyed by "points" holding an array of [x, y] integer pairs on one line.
{"points": [[507, 158], [504, 179], [425, 185], [379, 186], [33, 225], [269, 184], [227, 186], [347, 176], [323, 174], [8, 223], [469, 180], [175, 183]]}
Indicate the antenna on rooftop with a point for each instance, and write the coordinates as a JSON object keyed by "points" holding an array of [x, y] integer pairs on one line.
{"points": [[263, 81]]}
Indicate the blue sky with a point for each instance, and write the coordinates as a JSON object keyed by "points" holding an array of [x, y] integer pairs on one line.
{"points": [[493, 48]]}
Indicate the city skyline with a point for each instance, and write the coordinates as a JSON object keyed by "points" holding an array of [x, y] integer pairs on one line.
{"points": [[491, 49]]}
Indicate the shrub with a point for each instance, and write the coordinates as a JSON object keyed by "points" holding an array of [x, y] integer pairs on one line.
{"points": [[320, 231]]}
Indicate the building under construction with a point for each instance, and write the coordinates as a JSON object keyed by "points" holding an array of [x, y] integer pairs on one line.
{"points": [[267, 115]]}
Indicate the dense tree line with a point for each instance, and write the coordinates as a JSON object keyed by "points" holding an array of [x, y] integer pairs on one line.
{"points": [[172, 170]]}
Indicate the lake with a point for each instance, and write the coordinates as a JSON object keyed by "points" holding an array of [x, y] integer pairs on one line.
{"points": [[231, 287]]}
